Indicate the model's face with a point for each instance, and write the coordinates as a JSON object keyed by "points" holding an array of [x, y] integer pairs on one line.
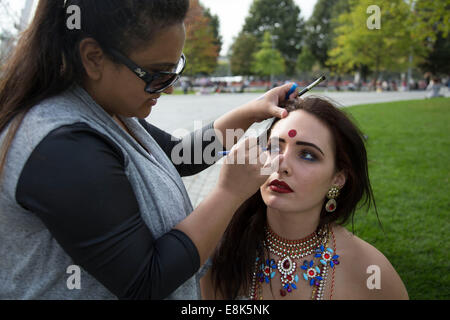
{"points": [[307, 165], [127, 91]]}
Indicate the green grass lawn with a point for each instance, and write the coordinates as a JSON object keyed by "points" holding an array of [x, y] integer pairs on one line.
{"points": [[409, 162]]}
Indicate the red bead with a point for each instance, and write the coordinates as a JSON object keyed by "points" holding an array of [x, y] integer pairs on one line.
{"points": [[282, 293], [289, 278], [286, 264]]}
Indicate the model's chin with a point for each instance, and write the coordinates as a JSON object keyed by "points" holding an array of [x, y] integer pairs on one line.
{"points": [[274, 200]]}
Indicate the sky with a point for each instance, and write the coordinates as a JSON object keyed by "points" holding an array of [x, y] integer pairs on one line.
{"points": [[231, 13]]}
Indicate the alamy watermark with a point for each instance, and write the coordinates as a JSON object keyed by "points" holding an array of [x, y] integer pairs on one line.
{"points": [[73, 22], [374, 20], [204, 146], [74, 280], [374, 281]]}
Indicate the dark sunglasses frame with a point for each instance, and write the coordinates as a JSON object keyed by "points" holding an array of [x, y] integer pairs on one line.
{"points": [[150, 77]]}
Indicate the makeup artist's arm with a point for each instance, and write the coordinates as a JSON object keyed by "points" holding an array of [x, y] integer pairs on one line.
{"points": [[237, 182], [196, 141], [254, 111]]}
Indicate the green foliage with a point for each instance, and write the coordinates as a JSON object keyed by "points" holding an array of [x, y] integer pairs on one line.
{"points": [[430, 18], [268, 61], [282, 19], [387, 48], [242, 52], [408, 27], [436, 61], [305, 60], [321, 25], [431, 26], [223, 69]]}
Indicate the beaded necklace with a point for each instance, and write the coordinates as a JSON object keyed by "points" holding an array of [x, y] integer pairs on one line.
{"points": [[287, 251]]}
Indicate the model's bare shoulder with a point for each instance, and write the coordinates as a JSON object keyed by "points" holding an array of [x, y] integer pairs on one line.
{"points": [[364, 272]]}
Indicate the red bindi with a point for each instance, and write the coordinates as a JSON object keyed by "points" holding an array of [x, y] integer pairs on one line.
{"points": [[292, 133]]}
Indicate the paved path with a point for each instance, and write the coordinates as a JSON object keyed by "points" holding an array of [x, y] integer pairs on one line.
{"points": [[190, 112]]}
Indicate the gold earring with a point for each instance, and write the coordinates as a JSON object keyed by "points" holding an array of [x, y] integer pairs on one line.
{"points": [[332, 194]]}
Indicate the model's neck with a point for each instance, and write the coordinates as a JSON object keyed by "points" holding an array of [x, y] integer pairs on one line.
{"points": [[293, 225]]}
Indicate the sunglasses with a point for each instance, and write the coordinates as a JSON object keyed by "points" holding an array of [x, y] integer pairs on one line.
{"points": [[156, 82]]}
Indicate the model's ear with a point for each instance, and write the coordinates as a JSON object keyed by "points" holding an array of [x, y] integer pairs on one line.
{"points": [[340, 178], [93, 58]]}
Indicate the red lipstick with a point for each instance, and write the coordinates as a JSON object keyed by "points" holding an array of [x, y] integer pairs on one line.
{"points": [[280, 186]]}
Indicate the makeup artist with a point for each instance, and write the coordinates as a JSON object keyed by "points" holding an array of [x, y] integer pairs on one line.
{"points": [[85, 181]]}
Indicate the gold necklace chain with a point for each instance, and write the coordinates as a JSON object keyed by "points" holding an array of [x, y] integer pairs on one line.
{"points": [[295, 249]]}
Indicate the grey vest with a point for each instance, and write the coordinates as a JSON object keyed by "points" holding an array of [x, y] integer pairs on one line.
{"points": [[32, 264]]}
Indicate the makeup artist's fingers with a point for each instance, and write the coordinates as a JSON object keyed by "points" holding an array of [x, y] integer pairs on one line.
{"points": [[239, 153], [241, 173], [276, 97], [254, 152], [263, 156], [271, 165], [294, 94], [279, 112], [248, 151], [284, 90]]}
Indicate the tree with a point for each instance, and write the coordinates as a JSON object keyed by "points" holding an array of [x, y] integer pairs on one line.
{"points": [[431, 25], [268, 61], [242, 51], [223, 68], [430, 18], [201, 47], [436, 61], [215, 25], [282, 19], [386, 48], [305, 60], [321, 25]]}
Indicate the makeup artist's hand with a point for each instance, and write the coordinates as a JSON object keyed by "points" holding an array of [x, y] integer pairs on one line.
{"points": [[267, 106], [245, 169]]}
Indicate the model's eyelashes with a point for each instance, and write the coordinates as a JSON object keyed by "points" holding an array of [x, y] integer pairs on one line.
{"points": [[303, 154], [309, 156]]}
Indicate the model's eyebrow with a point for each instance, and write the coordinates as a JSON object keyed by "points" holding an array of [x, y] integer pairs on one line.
{"points": [[299, 143]]}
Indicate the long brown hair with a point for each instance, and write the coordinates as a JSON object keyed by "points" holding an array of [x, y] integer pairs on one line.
{"points": [[234, 258], [46, 60]]}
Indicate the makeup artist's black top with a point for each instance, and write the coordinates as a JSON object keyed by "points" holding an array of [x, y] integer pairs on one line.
{"points": [[138, 265]]}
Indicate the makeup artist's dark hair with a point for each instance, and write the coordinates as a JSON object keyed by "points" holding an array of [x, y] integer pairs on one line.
{"points": [[47, 61], [234, 258]]}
